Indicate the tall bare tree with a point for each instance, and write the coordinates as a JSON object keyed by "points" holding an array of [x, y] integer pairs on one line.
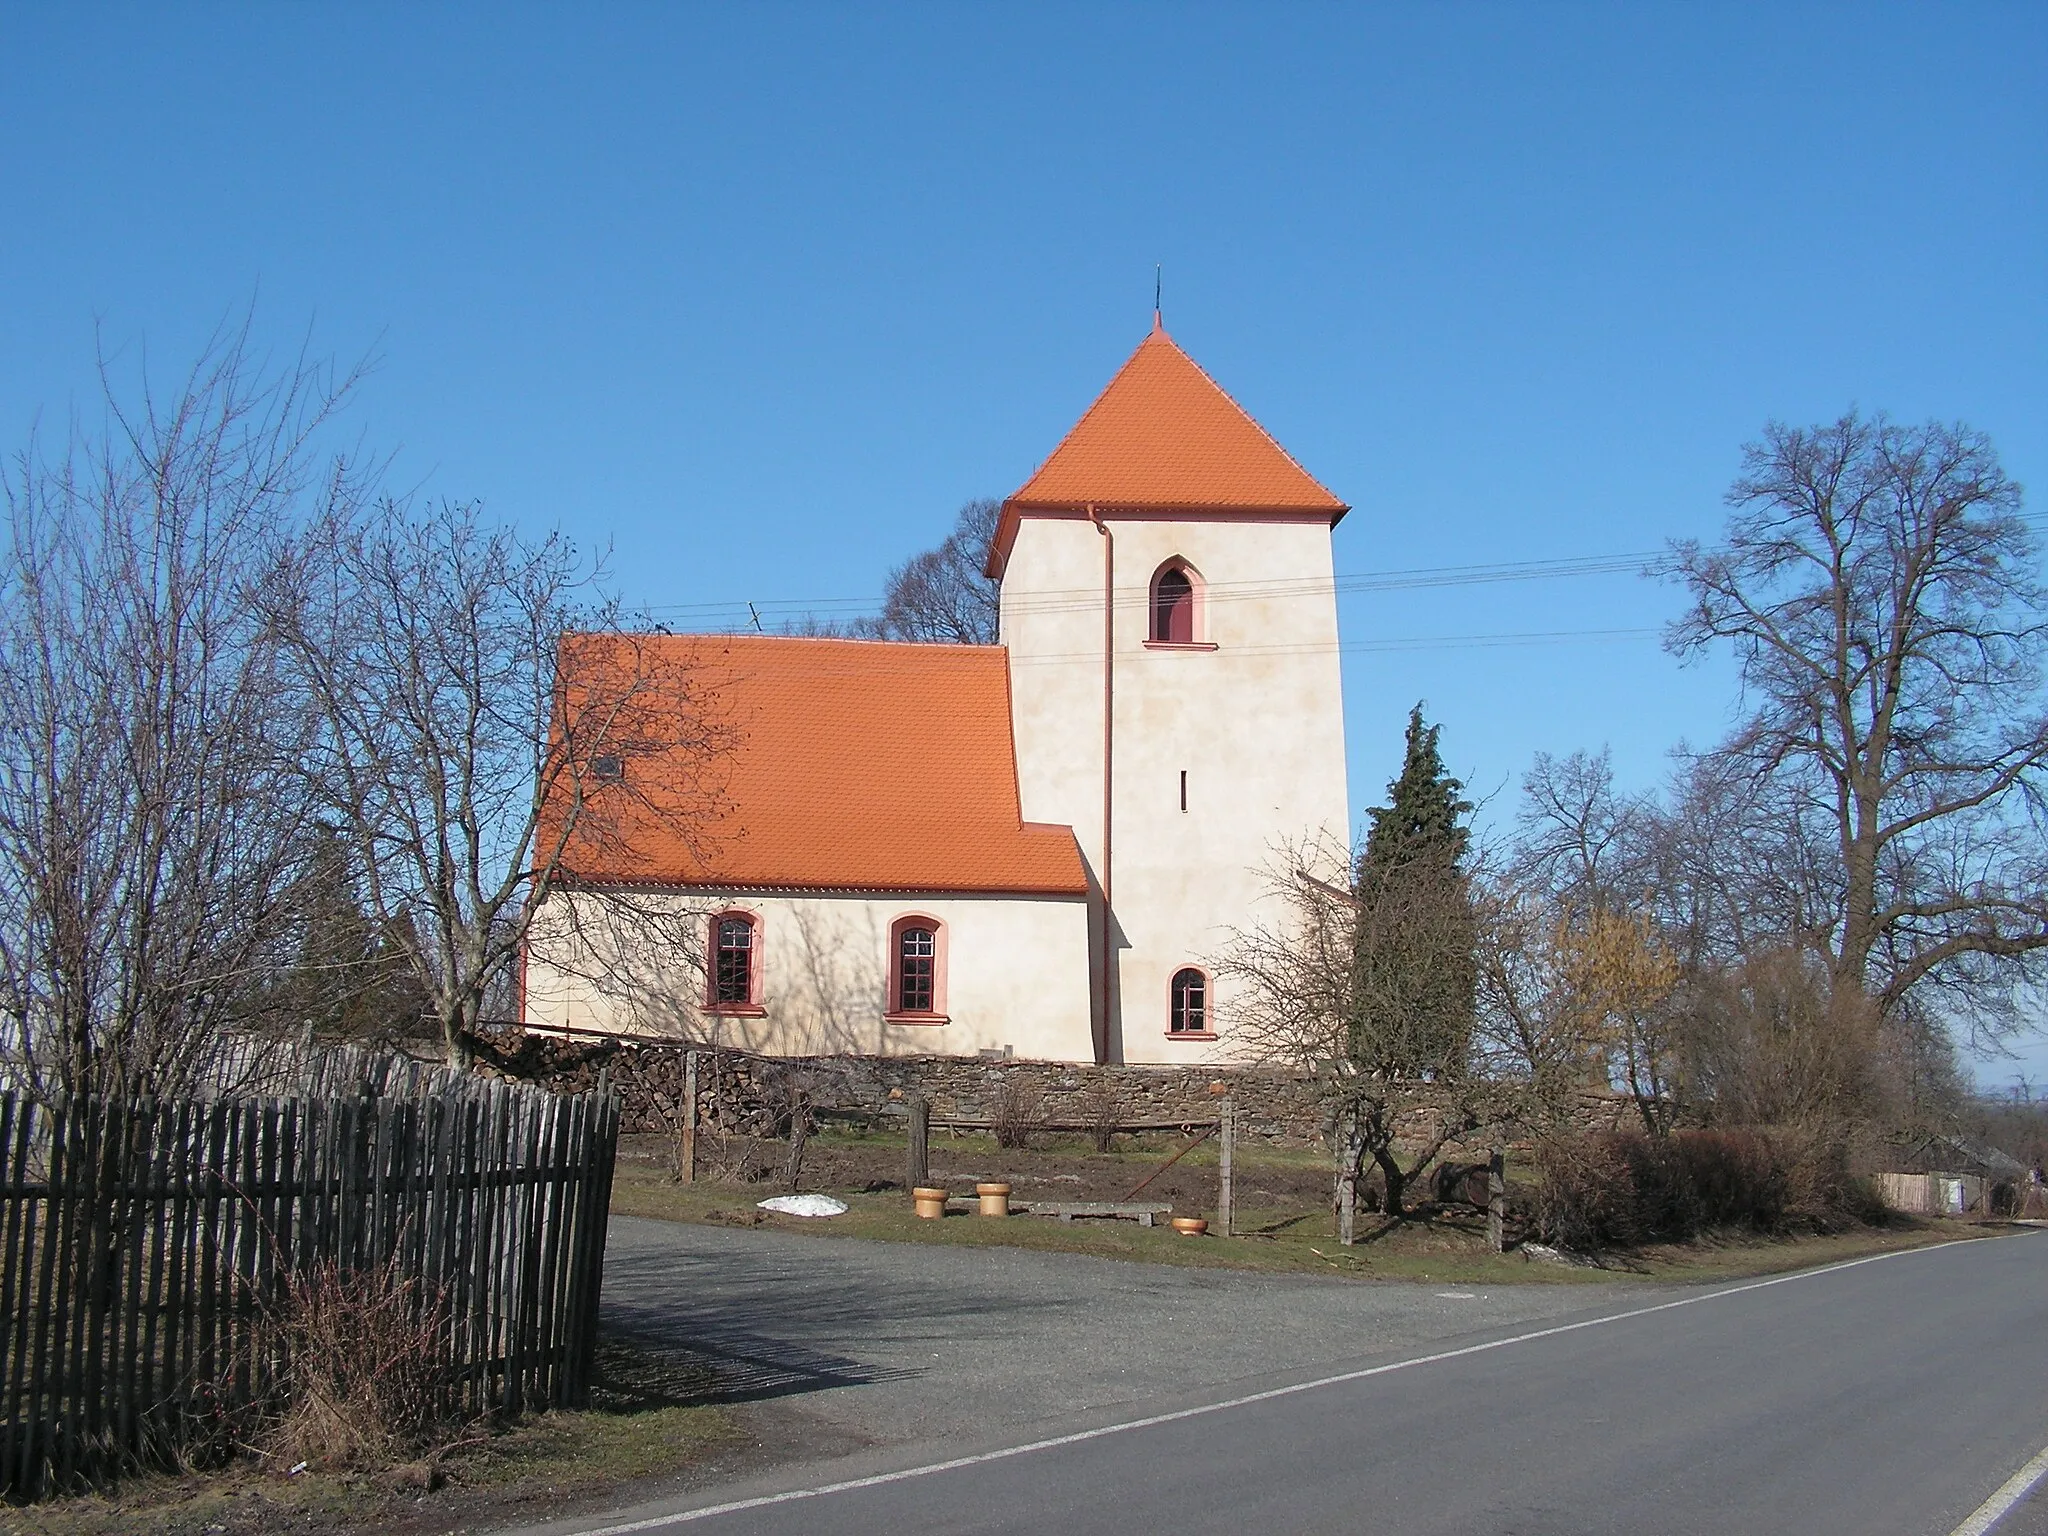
{"points": [[150, 824], [942, 594], [1877, 585], [485, 723]]}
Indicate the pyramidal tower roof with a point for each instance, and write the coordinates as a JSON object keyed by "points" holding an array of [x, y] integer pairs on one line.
{"points": [[1164, 437]]}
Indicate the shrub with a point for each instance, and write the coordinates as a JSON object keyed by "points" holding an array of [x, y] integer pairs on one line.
{"points": [[366, 1373], [1621, 1188], [1104, 1107], [1019, 1110]]}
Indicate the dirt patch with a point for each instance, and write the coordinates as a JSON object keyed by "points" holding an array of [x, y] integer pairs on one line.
{"points": [[653, 1428]]}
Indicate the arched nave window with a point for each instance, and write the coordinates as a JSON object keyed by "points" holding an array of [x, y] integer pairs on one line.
{"points": [[917, 970], [735, 969], [1188, 1003]]}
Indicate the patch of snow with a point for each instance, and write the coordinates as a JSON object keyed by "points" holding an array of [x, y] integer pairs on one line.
{"points": [[1551, 1255], [805, 1205]]}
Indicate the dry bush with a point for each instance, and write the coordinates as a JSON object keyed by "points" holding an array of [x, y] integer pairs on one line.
{"points": [[1103, 1106], [366, 1376], [1019, 1111], [1621, 1188], [1584, 1197]]}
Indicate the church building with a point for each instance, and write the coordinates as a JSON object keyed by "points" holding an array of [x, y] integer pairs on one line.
{"points": [[1037, 848]]}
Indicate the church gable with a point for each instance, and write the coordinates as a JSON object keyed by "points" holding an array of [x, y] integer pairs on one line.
{"points": [[1164, 436]]}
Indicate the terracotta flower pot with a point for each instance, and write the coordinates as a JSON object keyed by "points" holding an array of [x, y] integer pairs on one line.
{"points": [[930, 1203], [995, 1199], [1190, 1226]]}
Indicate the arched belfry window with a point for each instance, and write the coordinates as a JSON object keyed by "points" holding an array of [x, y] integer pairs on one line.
{"points": [[1176, 605]]}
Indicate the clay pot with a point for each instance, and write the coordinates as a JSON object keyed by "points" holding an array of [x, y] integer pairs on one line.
{"points": [[995, 1199], [1190, 1226], [930, 1203]]}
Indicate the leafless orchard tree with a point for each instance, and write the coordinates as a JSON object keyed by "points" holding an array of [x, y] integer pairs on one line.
{"points": [[1327, 985], [1529, 1030], [1878, 587], [150, 827], [488, 734]]}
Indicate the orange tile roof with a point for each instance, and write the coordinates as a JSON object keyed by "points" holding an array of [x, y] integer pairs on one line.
{"points": [[856, 765], [1163, 436]]}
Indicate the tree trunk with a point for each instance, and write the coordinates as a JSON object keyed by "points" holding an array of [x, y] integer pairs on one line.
{"points": [[458, 1031], [1496, 1199], [920, 1163], [1397, 1181]]}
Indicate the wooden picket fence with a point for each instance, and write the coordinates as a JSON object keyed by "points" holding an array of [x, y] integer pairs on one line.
{"points": [[146, 1250]]}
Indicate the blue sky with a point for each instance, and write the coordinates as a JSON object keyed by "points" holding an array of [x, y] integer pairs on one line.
{"points": [[757, 296]]}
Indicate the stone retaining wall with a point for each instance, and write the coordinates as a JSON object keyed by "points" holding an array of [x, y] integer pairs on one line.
{"points": [[743, 1094]]}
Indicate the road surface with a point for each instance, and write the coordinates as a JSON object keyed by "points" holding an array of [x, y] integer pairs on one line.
{"points": [[1893, 1394]]}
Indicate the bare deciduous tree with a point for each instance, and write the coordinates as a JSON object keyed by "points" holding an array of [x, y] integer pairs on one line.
{"points": [[488, 731], [149, 823], [942, 594], [1528, 1031], [1877, 585]]}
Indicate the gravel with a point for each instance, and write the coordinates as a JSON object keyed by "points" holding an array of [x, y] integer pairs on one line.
{"points": [[889, 1344]]}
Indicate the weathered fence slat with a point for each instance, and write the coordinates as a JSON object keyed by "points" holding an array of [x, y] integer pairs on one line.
{"points": [[146, 1249]]}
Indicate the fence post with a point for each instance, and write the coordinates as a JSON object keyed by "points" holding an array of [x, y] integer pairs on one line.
{"points": [[920, 1170], [1347, 1175], [1496, 1198], [687, 1164], [1223, 1191]]}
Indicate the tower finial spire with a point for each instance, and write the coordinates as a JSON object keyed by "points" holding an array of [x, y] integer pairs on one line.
{"points": [[1158, 287]]}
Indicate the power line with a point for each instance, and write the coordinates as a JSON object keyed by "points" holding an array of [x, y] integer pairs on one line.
{"points": [[1648, 563], [1511, 640], [1089, 598]]}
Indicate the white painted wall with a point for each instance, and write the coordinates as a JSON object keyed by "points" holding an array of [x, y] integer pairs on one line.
{"points": [[1016, 972], [1257, 724]]}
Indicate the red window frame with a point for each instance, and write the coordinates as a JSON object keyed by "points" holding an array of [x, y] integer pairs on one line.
{"points": [[1189, 1005], [917, 980], [733, 984]]}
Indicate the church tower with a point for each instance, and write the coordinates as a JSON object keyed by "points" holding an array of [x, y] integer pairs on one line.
{"points": [[1169, 606]]}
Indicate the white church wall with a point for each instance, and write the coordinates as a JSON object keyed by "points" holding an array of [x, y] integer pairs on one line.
{"points": [[1016, 972], [1256, 724]]}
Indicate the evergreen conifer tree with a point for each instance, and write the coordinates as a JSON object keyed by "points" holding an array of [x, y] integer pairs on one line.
{"points": [[1414, 969], [1423, 812], [1414, 966]]}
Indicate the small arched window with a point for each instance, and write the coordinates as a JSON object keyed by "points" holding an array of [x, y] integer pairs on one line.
{"points": [[917, 970], [1188, 1010], [735, 961], [1176, 620], [1173, 607]]}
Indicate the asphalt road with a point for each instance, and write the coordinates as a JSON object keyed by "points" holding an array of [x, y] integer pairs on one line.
{"points": [[1891, 1395], [883, 1344]]}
